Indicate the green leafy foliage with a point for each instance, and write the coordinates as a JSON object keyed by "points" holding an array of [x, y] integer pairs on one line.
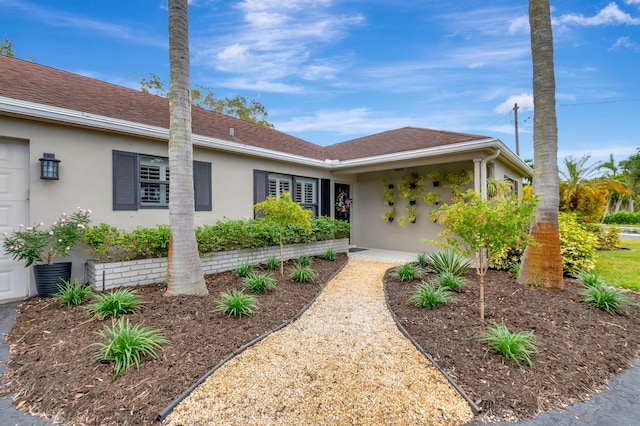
{"points": [[450, 281], [33, 244], [517, 346], [422, 260], [304, 261], [447, 260], [606, 298], [111, 244], [236, 303], [514, 270], [302, 274], [623, 218], [72, 294], [408, 271], [243, 270], [427, 295], [115, 303], [329, 254], [259, 282], [125, 344], [577, 245]]}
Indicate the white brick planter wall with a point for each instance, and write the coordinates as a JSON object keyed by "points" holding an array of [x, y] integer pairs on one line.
{"points": [[105, 276]]}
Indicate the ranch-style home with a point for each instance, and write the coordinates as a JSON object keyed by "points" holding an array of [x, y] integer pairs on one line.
{"points": [[110, 145]]}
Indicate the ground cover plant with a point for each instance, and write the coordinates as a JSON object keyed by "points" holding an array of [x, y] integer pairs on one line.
{"points": [[408, 271], [236, 303], [81, 390], [72, 293], [429, 295], [114, 303]]}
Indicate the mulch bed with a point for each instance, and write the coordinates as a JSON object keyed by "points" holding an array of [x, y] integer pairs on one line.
{"points": [[52, 368], [580, 347]]}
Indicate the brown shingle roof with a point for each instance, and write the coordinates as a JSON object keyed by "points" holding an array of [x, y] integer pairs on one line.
{"points": [[404, 139], [36, 83]]}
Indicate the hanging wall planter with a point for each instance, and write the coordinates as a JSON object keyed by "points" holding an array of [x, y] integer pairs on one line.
{"points": [[388, 192], [389, 215], [50, 277]]}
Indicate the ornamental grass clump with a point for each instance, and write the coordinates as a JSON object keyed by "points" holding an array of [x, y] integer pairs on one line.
{"points": [[259, 282], [236, 303], [304, 261], [272, 263], [428, 295], [243, 270], [302, 274], [116, 303], [447, 261], [72, 294], [450, 281], [330, 255], [589, 279], [408, 272], [517, 346], [125, 344], [606, 298]]}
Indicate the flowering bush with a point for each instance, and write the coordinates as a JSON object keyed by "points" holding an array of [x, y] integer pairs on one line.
{"points": [[34, 244], [343, 202]]}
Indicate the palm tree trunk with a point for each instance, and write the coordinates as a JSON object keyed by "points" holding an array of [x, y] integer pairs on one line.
{"points": [[184, 270], [542, 262]]}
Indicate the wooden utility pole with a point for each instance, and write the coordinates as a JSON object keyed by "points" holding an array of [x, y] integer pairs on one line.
{"points": [[515, 113]]}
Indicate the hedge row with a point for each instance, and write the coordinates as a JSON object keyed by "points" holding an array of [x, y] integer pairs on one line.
{"points": [[110, 244], [623, 218]]}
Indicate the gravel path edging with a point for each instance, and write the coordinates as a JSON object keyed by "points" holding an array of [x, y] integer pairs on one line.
{"points": [[162, 415], [475, 408]]}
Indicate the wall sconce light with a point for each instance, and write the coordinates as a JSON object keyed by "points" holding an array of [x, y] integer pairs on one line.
{"points": [[49, 167]]}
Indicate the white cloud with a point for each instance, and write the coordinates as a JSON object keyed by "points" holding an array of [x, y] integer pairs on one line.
{"points": [[611, 14], [624, 43], [632, 1], [524, 101], [241, 83], [344, 122], [519, 25]]}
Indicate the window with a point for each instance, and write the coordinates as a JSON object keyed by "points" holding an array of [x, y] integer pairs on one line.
{"points": [[154, 181], [142, 181], [303, 190], [279, 184], [514, 184]]}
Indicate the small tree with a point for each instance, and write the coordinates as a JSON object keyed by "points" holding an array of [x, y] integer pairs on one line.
{"points": [[482, 228], [282, 212]]}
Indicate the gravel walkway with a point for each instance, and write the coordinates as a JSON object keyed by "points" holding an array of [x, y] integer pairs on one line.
{"points": [[343, 362]]}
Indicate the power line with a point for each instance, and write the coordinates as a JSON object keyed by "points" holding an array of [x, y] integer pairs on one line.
{"points": [[602, 102]]}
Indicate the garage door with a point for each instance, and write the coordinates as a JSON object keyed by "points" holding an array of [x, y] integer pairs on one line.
{"points": [[14, 186]]}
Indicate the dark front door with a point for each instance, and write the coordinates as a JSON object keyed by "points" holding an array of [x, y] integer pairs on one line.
{"points": [[343, 201]]}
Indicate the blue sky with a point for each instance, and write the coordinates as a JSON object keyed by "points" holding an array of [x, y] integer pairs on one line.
{"points": [[330, 70]]}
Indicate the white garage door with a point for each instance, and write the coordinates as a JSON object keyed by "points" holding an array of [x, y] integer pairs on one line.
{"points": [[14, 186]]}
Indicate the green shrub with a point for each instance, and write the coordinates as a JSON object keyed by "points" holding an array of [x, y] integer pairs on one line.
{"points": [[125, 344], [259, 282], [408, 272], [611, 239], [517, 346], [329, 254], [115, 303], [623, 218], [236, 303], [427, 295], [450, 281], [506, 258], [272, 263], [422, 260], [302, 274], [150, 242], [606, 298], [448, 261], [577, 246], [108, 243], [243, 270], [72, 294], [304, 261]]}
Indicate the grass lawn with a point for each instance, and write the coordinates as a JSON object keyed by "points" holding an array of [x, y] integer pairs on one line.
{"points": [[620, 267]]}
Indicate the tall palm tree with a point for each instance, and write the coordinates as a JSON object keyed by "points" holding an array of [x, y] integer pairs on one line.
{"points": [[542, 262], [184, 271]]}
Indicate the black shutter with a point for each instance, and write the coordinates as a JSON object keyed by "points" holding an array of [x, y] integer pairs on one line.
{"points": [[125, 180], [202, 185], [325, 197], [260, 187]]}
